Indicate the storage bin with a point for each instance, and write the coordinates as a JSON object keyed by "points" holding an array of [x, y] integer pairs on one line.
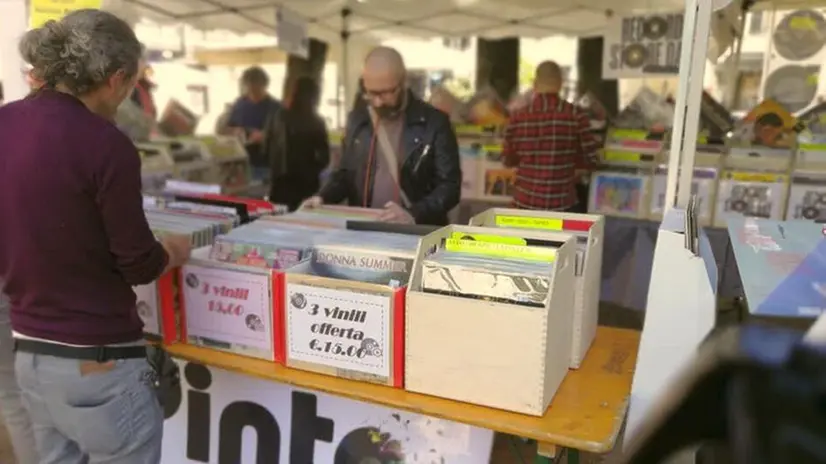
{"points": [[588, 229], [505, 356]]}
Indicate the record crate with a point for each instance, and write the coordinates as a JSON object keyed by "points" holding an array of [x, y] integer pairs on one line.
{"points": [[589, 230], [230, 307], [343, 328], [501, 355], [157, 307]]}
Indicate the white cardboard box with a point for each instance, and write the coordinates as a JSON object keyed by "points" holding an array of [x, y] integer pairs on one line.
{"points": [[499, 355], [588, 273]]}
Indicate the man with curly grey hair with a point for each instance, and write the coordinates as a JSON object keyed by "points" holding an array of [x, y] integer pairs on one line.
{"points": [[77, 245]]}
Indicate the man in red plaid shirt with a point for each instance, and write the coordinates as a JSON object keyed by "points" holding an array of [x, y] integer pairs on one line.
{"points": [[548, 141]]}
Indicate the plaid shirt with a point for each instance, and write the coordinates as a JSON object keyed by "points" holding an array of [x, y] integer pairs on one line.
{"points": [[547, 142]]}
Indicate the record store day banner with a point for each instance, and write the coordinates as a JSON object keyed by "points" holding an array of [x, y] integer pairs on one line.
{"points": [[640, 46]]}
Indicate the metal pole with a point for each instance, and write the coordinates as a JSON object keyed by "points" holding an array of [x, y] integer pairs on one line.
{"points": [[695, 98], [689, 27], [733, 84], [344, 65]]}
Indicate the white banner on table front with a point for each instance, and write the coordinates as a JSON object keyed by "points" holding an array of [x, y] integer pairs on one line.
{"points": [[147, 304], [235, 419], [340, 329], [228, 306], [640, 46]]}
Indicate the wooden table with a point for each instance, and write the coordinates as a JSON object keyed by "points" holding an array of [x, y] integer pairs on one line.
{"points": [[586, 414]]}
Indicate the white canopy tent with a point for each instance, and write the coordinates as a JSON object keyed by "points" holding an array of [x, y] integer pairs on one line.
{"points": [[382, 19]]}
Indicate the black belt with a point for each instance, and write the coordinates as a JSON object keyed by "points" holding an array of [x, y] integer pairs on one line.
{"points": [[83, 353]]}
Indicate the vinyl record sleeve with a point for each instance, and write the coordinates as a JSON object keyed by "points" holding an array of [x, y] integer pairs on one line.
{"points": [[744, 194], [807, 197], [702, 185], [614, 193], [504, 280]]}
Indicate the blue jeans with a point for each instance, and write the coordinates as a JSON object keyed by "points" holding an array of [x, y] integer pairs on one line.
{"points": [[84, 412], [15, 416]]}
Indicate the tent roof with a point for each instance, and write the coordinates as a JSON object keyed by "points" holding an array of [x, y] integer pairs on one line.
{"points": [[377, 20], [382, 19]]}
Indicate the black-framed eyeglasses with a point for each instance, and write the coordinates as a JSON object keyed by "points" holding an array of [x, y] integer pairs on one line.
{"points": [[371, 94]]}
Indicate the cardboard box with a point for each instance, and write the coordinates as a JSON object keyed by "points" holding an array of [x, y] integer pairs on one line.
{"points": [[589, 230], [343, 328], [229, 307], [504, 356], [157, 308]]}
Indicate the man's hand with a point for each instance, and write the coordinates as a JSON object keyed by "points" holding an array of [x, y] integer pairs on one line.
{"points": [[256, 136], [312, 202], [178, 247], [395, 214]]}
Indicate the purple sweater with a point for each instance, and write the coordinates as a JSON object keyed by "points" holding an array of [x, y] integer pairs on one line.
{"points": [[73, 235]]}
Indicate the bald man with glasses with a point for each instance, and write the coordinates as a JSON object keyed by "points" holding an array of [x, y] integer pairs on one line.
{"points": [[400, 154]]}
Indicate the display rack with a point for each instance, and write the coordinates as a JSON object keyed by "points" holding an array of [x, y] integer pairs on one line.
{"points": [[191, 158], [157, 166], [229, 157], [704, 183], [622, 184], [484, 176]]}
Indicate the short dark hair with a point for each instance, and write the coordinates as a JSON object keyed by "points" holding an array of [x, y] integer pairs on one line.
{"points": [[255, 75]]}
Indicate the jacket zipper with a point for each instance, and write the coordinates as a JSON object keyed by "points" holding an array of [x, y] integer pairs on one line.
{"points": [[421, 158]]}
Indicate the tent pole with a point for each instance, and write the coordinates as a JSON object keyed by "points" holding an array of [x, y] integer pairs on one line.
{"points": [[733, 84], [674, 157], [344, 65], [694, 93]]}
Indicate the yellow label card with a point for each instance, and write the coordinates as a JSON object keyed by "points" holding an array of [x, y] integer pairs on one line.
{"points": [[617, 155], [756, 177], [469, 129], [41, 11], [489, 238], [813, 146], [628, 134], [524, 222], [501, 250]]}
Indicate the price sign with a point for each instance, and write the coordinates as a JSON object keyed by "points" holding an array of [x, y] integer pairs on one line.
{"points": [[228, 306], [147, 304], [340, 329]]}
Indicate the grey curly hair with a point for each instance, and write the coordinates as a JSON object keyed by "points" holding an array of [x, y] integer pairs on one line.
{"points": [[81, 50]]}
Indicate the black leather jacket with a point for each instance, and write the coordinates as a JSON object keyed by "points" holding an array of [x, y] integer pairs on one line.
{"points": [[431, 174]]}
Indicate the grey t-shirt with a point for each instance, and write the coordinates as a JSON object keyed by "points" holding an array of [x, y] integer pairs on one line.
{"points": [[384, 187]]}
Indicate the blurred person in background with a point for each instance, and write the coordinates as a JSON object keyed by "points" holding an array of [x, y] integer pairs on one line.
{"points": [[400, 153], [297, 144], [222, 123], [546, 141], [142, 95], [80, 355], [249, 115]]}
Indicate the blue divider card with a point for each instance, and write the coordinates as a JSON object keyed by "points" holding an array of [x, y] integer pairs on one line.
{"points": [[782, 266]]}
